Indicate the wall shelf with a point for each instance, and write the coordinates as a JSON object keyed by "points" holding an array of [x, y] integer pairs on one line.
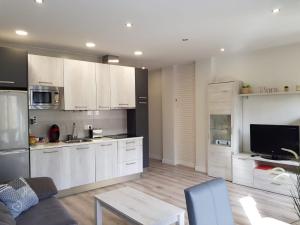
{"points": [[269, 94]]}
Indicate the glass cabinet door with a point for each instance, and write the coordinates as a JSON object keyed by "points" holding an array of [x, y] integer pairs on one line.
{"points": [[220, 130]]}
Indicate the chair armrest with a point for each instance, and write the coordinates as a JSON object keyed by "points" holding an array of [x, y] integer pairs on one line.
{"points": [[44, 187]]}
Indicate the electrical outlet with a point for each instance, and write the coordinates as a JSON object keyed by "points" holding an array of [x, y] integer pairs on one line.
{"points": [[86, 127], [33, 120]]}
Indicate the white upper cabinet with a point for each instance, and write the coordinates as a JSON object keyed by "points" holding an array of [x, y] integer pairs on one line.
{"points": [[79, 85], [122, 86], [103, 86], [44, 70]]}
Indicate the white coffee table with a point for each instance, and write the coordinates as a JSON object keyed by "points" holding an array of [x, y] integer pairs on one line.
{"points": [[138, 208]]}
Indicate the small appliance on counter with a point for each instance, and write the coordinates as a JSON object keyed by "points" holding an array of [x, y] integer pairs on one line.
{"points": [[53, 133], [97, 133]]}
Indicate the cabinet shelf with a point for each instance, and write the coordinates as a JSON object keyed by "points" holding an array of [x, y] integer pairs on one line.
{"points": [[269, 94]]}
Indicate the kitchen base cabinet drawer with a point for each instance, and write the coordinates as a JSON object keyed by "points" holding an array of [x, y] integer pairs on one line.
{"points": [[130, 154], [131, 167], [130, 143]]}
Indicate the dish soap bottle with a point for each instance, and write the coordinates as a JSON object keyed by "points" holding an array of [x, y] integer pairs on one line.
{"points": [[90, 132]]}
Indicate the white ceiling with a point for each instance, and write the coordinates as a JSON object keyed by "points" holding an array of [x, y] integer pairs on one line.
{"points": [[158, 26]]}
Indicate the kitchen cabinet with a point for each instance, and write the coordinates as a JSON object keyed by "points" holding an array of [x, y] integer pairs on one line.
{"points": [[79, 85], [53, 163], [13, 69], [106, 161], [82, 164], [130, 156], [46, 71], [138, 118], [122, 86], [103, 86]]}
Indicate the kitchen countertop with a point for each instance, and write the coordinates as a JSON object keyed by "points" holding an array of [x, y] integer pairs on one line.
{"points": [[63, 144]]}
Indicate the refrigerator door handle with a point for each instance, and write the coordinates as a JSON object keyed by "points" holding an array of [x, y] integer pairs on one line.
{"points": [[11, 152]]}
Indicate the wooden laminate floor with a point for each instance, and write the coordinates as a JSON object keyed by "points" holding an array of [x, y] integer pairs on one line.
{"points": [[167, 183]]}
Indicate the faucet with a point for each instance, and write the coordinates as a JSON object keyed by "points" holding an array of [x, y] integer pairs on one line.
{"points": [[74, 131]]}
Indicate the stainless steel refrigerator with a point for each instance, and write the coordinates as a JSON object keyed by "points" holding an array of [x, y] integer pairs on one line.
{"points": [[14, 147]]}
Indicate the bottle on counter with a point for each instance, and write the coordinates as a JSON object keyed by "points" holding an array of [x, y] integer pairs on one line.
{"points": [[90, 132]]}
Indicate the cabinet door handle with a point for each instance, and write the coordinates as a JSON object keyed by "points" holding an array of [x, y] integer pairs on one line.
{"points": [[127, 164], [141, 97], [45, 82], [142, 102], [80, 107], [82, 148], [122, 104], [7, 82], [130, 142], [106, 145], [130, 149], [50, 152]]}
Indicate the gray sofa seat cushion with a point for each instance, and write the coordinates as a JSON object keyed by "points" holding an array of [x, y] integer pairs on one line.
{"points": [[44, 187], [47, 212], [5, 217]]}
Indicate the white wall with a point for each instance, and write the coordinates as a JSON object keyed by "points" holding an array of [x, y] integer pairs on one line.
{"points": [[155, 115], [273, 67], [178, 98]]}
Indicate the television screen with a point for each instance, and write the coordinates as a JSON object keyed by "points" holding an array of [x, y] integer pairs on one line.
{"points": [[269, 139]]}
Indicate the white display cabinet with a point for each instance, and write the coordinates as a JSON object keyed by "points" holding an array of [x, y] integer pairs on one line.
{"points": [[223, 118]]}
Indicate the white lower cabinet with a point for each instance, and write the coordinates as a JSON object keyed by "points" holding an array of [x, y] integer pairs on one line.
{"points": [[82, 164], [52, 163], [106, 161], [77, 165], [130, 156]]}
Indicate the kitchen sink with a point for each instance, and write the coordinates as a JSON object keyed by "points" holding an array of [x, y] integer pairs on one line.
{"points": [[77, 140]]}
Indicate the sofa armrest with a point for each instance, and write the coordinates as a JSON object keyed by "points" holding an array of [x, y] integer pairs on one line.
{"points": [[44, 187]]}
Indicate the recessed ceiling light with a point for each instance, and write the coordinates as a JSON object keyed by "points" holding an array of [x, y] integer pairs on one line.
{"points": [[39, 1], [137, 53], [21, 32], [184, 39], [143, 68], [222, 49], [90, 44], [275, 11], [128, 24]]}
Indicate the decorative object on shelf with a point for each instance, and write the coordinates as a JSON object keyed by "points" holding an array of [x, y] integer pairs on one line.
{"points": [[246, 89], [297, 87], [286, 88]]}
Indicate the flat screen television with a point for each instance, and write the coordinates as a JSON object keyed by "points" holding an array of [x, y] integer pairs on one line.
{"points": [[267, 140]]}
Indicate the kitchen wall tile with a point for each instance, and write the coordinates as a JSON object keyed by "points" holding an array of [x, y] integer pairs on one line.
{"points": [[111, 121]]}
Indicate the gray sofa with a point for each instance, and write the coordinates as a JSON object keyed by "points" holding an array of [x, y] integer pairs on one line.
{"points": [[49, 211]]}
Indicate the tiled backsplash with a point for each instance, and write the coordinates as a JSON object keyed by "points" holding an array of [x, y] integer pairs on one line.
{"points": [[112, 122]]}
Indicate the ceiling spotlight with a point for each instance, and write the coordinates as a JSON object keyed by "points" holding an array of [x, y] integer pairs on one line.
{"points": [[138, 53], [184, 39], [129, 25], [21, 32], [39, 1], [143, 68], [222, 49], [90, 45], [275, 11]]}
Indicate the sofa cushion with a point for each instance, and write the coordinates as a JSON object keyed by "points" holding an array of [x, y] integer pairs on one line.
{"points": [[5, 216], [44, 187], [48, 212], [18, 196]]}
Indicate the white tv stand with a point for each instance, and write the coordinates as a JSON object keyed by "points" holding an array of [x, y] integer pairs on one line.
{"points": [[257, 172]]}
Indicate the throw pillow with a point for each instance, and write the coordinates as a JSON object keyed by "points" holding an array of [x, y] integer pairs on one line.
{"points": [[17, 196], [5, 216]]}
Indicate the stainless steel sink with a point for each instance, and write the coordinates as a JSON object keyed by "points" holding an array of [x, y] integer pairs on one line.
{"points": [[78, 140]]}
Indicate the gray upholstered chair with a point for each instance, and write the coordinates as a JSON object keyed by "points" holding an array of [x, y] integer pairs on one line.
{"points": [[208, 204]]}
